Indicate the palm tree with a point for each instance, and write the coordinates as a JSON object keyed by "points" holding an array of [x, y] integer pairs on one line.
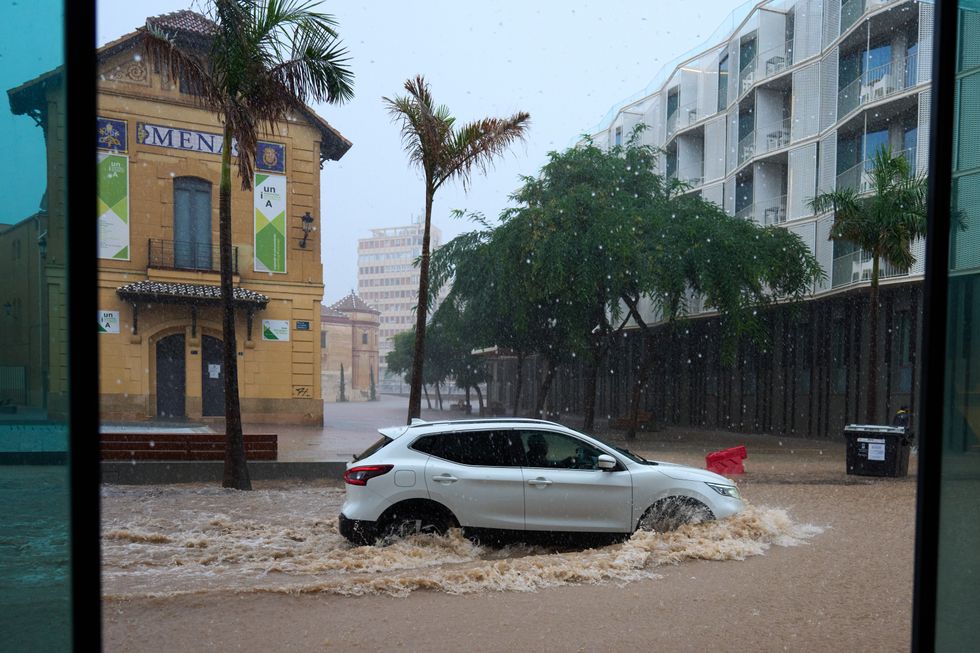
{"points": [[883, 222], [261, 60], [433, 143]]}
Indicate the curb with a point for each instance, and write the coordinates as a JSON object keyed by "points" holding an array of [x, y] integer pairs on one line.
{"points": [[163, 473]]}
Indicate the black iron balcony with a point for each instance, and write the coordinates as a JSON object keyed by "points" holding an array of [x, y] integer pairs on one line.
{"points": [[186, 255]]}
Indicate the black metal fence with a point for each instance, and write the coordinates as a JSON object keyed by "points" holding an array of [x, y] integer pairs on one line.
{"points": [[186, 255]]}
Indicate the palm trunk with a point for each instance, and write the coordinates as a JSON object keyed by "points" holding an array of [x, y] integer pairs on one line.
{"points": [[591, 377], [871, 414], [549, 377], [235, 471], [415, 395]]}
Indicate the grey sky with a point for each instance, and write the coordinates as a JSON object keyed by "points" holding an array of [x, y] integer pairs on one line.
{"points": [[565, 63]]}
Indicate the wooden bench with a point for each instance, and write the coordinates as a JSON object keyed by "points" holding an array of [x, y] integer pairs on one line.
{"points": [[644, 420], [183, 446]]}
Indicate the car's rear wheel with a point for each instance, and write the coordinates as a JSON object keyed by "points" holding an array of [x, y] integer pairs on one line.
{"points": [[671, 513], [403, 521]]}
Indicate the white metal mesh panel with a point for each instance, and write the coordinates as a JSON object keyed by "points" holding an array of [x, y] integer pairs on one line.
{"points": [[806, 232], [653, 118], [806, 102], [922, 133], [807, 29], [824, 251], [714, 148], [733, 85], [731, 161], [919, 252], [802, 180], [714, 193], [827, 181], [926, 24], [965, 248], [831, 21], [828, 89], [708, 93]]}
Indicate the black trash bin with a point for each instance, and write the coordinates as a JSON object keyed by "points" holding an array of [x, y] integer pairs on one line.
{"points": [[876, 450]]}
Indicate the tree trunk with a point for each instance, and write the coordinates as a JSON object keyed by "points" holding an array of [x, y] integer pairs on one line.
{"points": [[428, 401], [438, 396], [549, 376], [871, 414], [642, 373], [235, 471], [468, 410], [415, 395], [479, 398], [591, 374], [520, 382]]}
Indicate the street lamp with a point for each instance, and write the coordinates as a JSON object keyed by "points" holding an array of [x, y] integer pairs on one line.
{"points": [[307, 228]]}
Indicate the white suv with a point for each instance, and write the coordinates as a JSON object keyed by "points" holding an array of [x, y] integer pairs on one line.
{"points": [[519, 475]]}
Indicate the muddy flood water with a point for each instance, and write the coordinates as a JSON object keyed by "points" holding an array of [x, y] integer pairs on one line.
{"points": [[286, 540]]}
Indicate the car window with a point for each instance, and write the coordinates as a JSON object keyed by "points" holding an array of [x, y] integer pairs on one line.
{"points": [[374, 448], [549, 449], [482, 448]]}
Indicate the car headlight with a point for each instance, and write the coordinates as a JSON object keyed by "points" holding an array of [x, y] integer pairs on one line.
{"points": [[725, 490]]}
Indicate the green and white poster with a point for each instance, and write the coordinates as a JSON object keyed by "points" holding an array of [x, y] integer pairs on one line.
{"points": [[275, 330], [270, 223], [113, 196], [108, 321]]}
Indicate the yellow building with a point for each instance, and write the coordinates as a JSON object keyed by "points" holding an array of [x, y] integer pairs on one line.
{"points": [[349, 338], [159, 300]]}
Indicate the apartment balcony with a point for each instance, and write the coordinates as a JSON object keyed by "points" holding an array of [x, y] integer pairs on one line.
{"points": [[878, 83], [858, 177], [767, 63], [746, 148], [672, 123], [183, 255], [856, 267]]}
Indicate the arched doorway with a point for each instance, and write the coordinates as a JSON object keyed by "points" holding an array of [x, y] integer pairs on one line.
{"points": [[212, 377], [171, 379]]}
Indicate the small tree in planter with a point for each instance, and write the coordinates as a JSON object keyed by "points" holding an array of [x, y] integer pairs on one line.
{"points": [[374, 388], [343, 390]]}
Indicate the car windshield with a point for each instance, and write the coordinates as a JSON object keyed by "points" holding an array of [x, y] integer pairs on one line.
{"points": [[626, 452]]}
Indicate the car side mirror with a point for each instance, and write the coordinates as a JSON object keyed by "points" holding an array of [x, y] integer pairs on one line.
{"points": [[605, 461]]}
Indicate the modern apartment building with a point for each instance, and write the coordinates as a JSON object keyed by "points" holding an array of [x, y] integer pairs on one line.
{"points": [[388, 280], [787, 99]]}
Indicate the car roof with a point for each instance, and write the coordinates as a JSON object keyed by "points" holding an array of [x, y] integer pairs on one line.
{"points": [[419, 426]]}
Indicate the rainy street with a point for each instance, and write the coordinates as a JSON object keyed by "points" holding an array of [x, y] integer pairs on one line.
{"points": [[818, 558]]}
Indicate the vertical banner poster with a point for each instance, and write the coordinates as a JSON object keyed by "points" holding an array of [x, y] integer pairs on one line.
{"points": [[113, 200], [270, 223]]}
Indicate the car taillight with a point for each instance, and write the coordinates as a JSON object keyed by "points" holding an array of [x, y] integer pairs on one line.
{"points": [[361, 475]]}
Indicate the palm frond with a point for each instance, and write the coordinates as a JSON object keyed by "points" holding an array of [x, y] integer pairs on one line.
{"points": [[477, 144]]}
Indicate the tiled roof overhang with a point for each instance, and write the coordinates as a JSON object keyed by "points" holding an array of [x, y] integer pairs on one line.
{"points": [[187, 293]]}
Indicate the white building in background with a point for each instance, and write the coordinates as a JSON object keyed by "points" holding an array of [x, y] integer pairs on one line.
{"points": [[388, 279], [789, 99]]}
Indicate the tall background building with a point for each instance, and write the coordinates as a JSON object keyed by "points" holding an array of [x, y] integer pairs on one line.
{"points": [[388, 280]]}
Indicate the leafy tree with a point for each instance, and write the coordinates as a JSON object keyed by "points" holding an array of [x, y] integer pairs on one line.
{"points": [[263, 60], [883, 223], [342, 394], [443, 152], [373, 396]]}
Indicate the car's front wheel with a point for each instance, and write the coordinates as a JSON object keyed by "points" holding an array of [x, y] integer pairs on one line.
{"points": [[671, 513]]}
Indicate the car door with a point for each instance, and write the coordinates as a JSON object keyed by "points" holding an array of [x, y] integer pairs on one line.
{"points": [[564, 490], [477, 475]]}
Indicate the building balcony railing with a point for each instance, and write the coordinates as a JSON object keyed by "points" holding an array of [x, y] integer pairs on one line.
{"points": [[746, 147], [773, 136], [878, 83], [856, 267], [672, 122], [766, 212], [185, 255], [858, 177], [852, 10]]}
